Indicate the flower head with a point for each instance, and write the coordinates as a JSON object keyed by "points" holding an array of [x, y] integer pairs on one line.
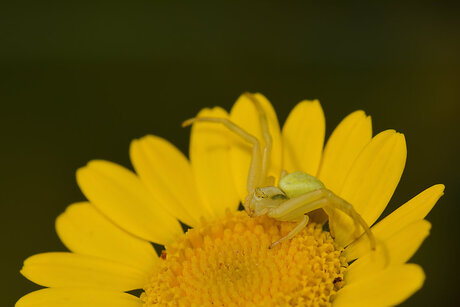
{"points": [[224, 259]]}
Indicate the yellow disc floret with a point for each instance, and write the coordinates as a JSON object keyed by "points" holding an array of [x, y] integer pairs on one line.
{"points": [[228, 263]]}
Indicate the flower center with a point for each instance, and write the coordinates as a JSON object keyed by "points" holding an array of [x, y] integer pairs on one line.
{"points": [[228, 262]]}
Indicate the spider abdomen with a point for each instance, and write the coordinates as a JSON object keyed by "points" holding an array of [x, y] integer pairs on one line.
{"points": [[299, 183]]}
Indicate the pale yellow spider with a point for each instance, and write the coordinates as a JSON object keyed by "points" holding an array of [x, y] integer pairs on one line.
{"points": [[297, 193]]}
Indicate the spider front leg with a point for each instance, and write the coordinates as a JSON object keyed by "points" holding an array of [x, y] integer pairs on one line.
{"points": [[255, 169], [294, 208], [258, 169], [266, 135], [293, 232]]}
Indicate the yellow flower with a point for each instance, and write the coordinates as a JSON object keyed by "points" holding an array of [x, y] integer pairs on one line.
{"points": [[224, 259]]}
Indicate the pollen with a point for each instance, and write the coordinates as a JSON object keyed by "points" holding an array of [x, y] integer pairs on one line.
{"points": [[228, 263]]}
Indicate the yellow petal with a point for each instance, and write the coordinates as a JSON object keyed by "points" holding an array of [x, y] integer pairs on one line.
{"points": [[73, 270], [397, 249], [167, 174], [210, 159], [85, 231], [121, 196], [414, 210], [386, 288], [245, 115], [303, 138], [74, 297], [343, 147], [371, 182]]}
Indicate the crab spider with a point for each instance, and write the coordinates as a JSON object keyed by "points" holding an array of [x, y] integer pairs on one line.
{"points": [[297, 193]]}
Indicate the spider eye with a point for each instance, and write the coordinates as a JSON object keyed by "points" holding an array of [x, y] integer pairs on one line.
{"points": [[259, 193], [269, 193]]}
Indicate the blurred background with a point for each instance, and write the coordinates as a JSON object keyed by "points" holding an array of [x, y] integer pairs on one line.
{"points": [[79, 81]]}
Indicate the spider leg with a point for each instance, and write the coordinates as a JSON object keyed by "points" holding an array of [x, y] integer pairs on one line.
{"points": [[293, 232], [266, 135], [344, 206], [331, 227], [291, 209], [258, 169], [254, 176], [283, 173], [294, 208]]}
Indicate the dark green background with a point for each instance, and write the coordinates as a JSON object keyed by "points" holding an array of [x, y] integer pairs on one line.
{"points": [[78, 81]]}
